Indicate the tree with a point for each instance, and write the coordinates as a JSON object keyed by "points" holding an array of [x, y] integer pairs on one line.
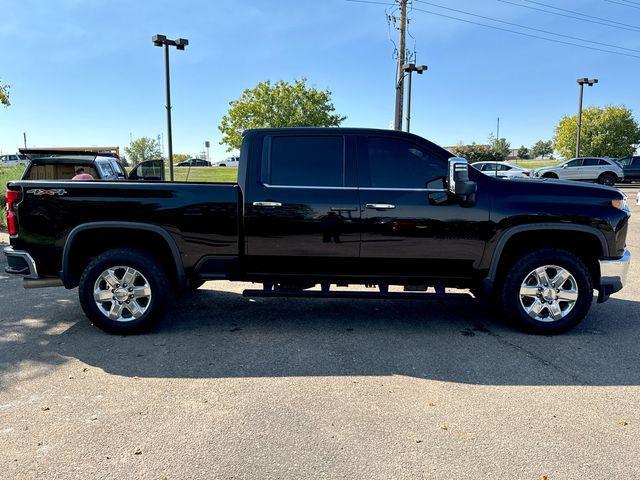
{"points": [[282, 104], [606, 132], [179, 157], [4, 94], [501, 147], [542, 149], [523, 152], [142, 149], [476, 153]]}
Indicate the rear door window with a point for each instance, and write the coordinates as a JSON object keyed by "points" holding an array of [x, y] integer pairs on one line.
{"points": [[574, 163], [314, 161]]}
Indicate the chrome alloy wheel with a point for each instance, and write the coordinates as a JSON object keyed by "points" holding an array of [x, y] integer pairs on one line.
{"points": [[548, 293], [122, 293]]}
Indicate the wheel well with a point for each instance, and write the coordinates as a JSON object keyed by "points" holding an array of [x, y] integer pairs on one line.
{"points": [[582, 244], [86, 244], [608, 172], [550, 175]]}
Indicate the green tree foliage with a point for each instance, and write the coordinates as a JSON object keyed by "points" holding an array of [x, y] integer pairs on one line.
{"points": [[542, 149], [179, 157], [523, 152], [476, 153], [282, 104], [142, 149], [4, 94], [500, 147], [606, 132]]}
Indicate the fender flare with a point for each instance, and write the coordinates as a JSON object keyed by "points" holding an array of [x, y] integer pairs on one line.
{"points": [[166, 236], [510, 232]]}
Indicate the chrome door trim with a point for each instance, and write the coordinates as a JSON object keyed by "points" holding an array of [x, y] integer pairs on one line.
{"points": [[267, 204]]}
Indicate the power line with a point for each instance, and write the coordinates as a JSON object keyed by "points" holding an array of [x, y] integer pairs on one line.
{"points": [[629, 1], [623, 4], [504, 29], [528, 28], [621, 26], [577, 13]]}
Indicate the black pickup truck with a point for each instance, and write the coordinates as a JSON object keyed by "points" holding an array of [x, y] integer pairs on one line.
{"points": [[315, 209]]}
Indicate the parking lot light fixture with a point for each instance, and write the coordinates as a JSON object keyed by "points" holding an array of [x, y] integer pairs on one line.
{"points": [[582, 82], [180, 44], [409, 68]]}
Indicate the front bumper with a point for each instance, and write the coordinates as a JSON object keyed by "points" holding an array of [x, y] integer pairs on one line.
{"points": [[20, 263], [613, 275]]}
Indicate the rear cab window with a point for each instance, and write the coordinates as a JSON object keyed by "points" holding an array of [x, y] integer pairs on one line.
{"points": [[307, 161]]}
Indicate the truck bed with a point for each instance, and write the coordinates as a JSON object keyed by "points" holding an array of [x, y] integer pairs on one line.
{"points": [[202, 218]]}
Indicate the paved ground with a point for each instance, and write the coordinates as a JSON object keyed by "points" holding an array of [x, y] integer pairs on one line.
{"points": [[229, 387]]}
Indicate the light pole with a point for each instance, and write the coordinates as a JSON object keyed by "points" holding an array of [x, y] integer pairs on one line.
{"points": [[159, 41], [409, 68], [582, 81]]}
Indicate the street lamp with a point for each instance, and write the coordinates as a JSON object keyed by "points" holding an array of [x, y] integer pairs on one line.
{"points": [[410, 68], [159, 41], [582, 81]]}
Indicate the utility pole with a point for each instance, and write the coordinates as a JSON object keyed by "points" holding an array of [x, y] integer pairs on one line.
{"points": [[409, 68], [498, 130], [401, 58], [24, 136]]}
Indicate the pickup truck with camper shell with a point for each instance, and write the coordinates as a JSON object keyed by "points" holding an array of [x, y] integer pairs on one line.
{"points": [[325, 207]]}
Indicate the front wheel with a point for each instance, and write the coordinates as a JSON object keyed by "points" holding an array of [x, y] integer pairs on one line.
{"points": [[547, 291], [123, 291]]}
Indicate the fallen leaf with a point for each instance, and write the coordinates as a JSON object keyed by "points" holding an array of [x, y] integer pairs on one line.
{"points": [[544, 477], [431, 404], [137, 451], [44, 408], [94, 418], [622, 422], [84, 369], [443, 426]]}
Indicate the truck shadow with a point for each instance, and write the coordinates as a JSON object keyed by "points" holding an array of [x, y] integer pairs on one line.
{"points": [[220, 334]]}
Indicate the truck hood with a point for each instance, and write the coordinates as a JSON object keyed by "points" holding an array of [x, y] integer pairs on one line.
{"points": [[564, 189]]}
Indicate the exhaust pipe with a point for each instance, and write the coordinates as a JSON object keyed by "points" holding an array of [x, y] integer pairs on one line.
{"points": [[41, 282]]}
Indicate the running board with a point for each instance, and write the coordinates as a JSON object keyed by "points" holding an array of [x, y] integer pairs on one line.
{"points": [[354, 294]]}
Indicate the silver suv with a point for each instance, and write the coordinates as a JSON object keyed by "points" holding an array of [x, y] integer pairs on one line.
{"points": [[591, 169]]}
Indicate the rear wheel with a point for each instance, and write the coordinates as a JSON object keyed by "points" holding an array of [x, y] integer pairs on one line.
{"points": [[123, 291], [547, 291], [607, 179]]}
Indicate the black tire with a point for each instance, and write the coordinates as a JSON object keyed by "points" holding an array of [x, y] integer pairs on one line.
{"points": [[608, 179], [509, 296], [145, 264], [550, 175]]}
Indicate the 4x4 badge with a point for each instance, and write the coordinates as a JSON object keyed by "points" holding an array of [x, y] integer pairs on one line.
{"points": [[45, 191]]}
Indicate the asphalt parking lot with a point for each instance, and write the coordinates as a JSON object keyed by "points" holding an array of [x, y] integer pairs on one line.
{"points": [[230, 387]]}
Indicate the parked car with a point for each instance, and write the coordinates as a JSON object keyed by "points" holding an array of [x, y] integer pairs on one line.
{"points": [[10, 160], [325, 206], [193, 162], [228, 162], [605, 171], [501, 169], [631, 168], [62, 165]]}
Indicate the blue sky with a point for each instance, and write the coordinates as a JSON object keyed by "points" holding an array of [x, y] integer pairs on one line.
{"points": [[86, 72]]}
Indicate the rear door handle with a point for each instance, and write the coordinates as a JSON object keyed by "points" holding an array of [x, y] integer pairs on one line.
{"points": [[267, 204], [380, 206]]}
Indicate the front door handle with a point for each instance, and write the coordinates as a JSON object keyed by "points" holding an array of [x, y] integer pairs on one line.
{"points": [[267, 204], [380, 206]]}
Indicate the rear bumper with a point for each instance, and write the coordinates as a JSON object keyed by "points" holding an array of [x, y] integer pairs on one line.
{"points": [[613, 275], [21, 263]]}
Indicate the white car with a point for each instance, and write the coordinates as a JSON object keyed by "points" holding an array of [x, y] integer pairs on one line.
{"points": [[501, 169], [589, 169], [10, 160], [228, 162]]}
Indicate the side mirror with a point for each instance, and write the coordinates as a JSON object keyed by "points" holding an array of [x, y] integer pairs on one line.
{"points": [[563, 166], [459, 183], [151, 170]]}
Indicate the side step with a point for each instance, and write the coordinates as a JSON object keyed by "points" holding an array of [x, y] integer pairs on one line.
{"points": [[354, 294]]}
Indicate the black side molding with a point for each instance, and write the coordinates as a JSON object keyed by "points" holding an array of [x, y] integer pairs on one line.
{"points": [[66, 277]]}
